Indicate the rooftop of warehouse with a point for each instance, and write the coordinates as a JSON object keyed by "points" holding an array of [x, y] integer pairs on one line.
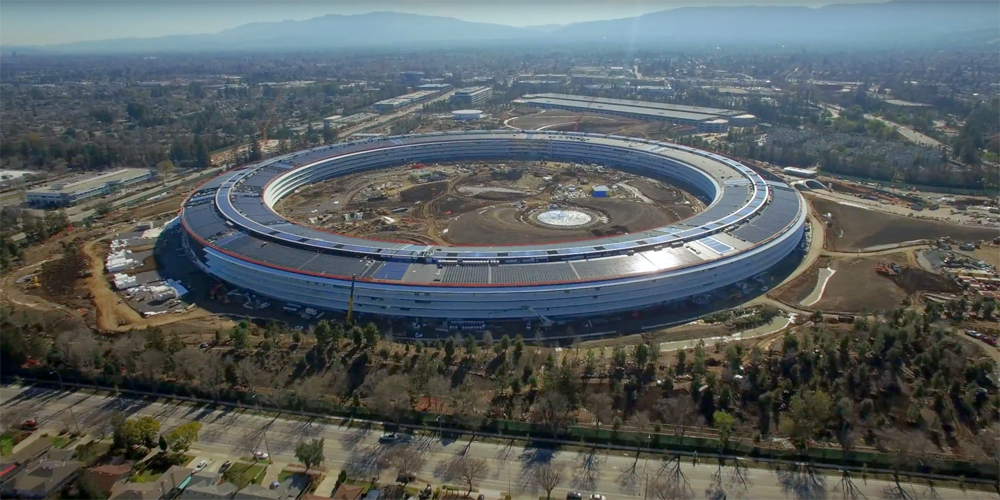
{"points": [[86, 183]]}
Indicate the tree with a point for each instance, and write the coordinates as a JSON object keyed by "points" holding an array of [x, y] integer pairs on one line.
{"points": [[808, 412], [601, 406], [165, 168], [239, 336], [141, 431], [407, 460], [669, 483], [390, 396], [680, 412], [310, 453], [181, 437], [547, 477], [471, 471], [163, 443], [725, 424]]}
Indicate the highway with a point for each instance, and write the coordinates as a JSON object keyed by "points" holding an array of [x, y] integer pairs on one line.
{"points": [[231, 433]]}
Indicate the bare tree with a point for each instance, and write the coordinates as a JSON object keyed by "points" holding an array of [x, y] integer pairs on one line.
{"points": [[670, 483], [547, 476], [601, 406], [679, 412], [472, 471], [407, 460], [552, 409], [802, 482], [629, 477], [390, 398], [847, 489], [12, 417], [906, 448]]}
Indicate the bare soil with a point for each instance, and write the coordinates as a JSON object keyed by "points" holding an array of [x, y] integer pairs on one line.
{"points": [[856, 287], [503, 225], [798, 289], [856, 228]]}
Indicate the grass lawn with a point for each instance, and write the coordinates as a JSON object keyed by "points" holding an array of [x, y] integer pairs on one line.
{"points": [[255, 471], [6, 444], [147, 476], [61, 441]]}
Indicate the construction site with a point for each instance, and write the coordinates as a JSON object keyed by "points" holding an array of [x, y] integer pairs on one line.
{"points": [[489, 203]]}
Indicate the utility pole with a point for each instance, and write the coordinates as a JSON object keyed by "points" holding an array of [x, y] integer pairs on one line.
{"points": [[261, 411], [70, 407]]}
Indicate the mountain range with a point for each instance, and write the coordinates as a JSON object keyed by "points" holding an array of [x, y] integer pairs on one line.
{"points": [[896, 24]]}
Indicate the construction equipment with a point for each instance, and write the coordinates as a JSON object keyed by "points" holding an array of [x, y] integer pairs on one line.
{"points": [[270, 117], [546, 322], [219, 293], [576, 124], [887, 268]]}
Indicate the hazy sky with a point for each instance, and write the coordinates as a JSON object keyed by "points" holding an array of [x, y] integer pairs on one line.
{"points": [[40, 22]]}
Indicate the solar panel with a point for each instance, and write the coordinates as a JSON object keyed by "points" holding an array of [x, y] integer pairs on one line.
{"points": [[466, 274], [716, 245], [392, 271], [533, 273]]}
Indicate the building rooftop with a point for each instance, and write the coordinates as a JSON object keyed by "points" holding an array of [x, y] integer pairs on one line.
{"points": [[167, 482], [650, 112], [105, 476], [93, 182], [471, 90], [42, 478], [716, 112], [347, 492]]}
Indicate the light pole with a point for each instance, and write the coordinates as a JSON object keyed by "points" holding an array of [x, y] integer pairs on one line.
{"points": [[70, 407], [259, 410]]}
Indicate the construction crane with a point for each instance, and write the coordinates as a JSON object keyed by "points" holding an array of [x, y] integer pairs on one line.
{"points": [[270, 117], [350, 301], [576, 124]]}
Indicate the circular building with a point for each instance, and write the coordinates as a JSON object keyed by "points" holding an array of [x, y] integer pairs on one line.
{"points": [[232, 233], [466, 114]]}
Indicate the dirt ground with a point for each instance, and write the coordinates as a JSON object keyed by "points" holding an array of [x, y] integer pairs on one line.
{"points": [[988, 253], [856, 287], [800, 288], [502, 224], [856, 228]]}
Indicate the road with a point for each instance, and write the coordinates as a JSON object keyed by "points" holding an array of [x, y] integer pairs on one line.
{"points": [[231, 433], [382, 120], [907, 132]]}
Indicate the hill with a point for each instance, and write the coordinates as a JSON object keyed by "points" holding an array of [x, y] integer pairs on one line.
{"points": [[898, 24]]}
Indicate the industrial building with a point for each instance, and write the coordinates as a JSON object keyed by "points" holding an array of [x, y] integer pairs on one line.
{"points": [[64, 194], [600, 191], [435, 87], [713, 120], [471, 96], [390, 105], [799, 172], [231, 232], [466, 114]]}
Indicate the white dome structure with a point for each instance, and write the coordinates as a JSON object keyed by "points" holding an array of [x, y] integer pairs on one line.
{"points": [[466, 114]]}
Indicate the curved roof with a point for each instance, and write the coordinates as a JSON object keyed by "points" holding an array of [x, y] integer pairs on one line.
{"points": [[232, 213]]}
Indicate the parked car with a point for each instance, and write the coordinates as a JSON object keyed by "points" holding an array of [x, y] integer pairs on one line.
{"points": [[260, 455], [574, 495], [392, 437], [30, 425], [225, 466], [201, 465], [595, 496]]}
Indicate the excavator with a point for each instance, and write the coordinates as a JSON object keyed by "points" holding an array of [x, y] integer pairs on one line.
{"points": [[219, 293]]}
